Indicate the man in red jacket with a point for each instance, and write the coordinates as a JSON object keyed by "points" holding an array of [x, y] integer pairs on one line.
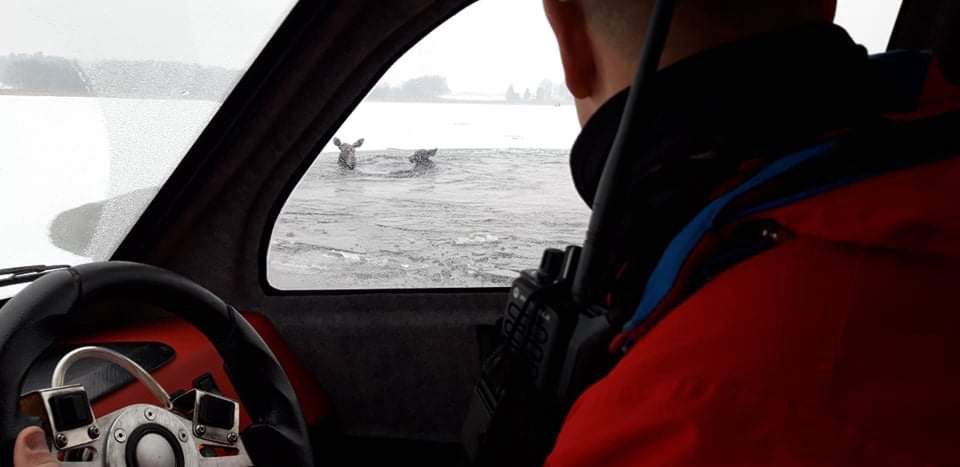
{"points": [[791, 258], [785, 309]]}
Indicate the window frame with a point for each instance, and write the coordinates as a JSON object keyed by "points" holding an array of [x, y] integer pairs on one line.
{"points": [[371, 82], [262, 264]]}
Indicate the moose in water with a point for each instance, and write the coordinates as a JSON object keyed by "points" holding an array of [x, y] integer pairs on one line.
{"points": [[348, 153], [421, 160], [348, 156]]}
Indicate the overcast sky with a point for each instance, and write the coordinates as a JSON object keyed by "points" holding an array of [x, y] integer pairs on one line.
{"points": [[491, 45], [518, 46], [216, 32]]}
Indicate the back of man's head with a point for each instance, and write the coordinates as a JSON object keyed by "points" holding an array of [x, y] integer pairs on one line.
{"points": [[601, 40], [700, 24]]}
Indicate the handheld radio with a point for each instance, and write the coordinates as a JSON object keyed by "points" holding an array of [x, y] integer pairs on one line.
{"points": [[553, 334]]}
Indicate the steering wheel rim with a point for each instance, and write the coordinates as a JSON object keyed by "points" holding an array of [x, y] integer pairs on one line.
{"points": [[31, 321]]}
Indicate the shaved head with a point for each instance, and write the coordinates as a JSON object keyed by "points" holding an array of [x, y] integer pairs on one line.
{"points": [[601, 40], [622, 22]]}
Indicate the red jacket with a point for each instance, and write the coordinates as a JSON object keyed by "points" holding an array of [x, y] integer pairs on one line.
{"points": [[839, 346]]}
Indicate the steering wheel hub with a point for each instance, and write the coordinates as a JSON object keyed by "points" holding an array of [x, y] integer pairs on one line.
{"points": [[154, 445], [153, 450], [151, 443]]}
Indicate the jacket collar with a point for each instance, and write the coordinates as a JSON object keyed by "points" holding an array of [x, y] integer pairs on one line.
{"points": [[743, 100]]}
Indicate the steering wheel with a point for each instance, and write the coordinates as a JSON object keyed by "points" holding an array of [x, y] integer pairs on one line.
{"points": [[33, 319]]}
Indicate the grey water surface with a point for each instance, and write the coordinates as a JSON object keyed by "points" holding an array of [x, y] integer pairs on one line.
{"points": [[475, 218]]}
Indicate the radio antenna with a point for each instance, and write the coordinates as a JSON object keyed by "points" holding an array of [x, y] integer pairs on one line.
{"points": [[638, 109]]}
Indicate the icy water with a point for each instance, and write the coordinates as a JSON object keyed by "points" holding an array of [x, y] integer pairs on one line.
{"points": [[474, 219]]}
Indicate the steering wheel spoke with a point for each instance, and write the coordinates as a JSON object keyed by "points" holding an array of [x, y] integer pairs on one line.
{"points": [[201, 429]]}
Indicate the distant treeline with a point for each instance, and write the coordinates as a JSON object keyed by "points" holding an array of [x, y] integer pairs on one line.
{"points": [[424, 88], [39, 74], [547, 92], [434, 88]]}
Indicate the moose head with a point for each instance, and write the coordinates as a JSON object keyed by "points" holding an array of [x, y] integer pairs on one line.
{"points": [[422, 157], [348, 156]]}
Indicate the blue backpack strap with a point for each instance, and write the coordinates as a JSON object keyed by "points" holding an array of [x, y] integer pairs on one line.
{"points": [[665, 273], [903, 73]]}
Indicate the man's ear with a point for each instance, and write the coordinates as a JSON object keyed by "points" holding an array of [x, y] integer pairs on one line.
{"points": [[336, 142], [358, 143], [570, 27]]}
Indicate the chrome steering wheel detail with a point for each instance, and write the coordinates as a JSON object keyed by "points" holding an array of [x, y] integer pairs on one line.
{"points": [[135, 370], [139, 435]]}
